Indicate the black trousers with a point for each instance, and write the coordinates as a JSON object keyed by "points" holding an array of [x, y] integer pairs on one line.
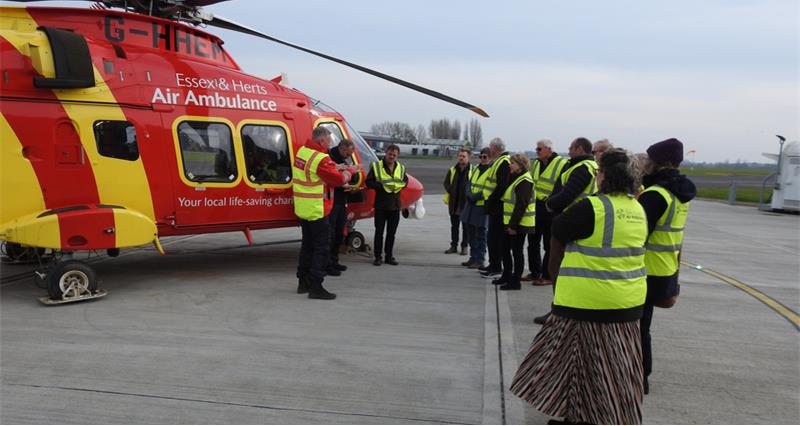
{"points": [[494, 241], [338, 219], [455, 224], [314, 250], [513, 257], [536, 263], [385, 219], [647, 350]]}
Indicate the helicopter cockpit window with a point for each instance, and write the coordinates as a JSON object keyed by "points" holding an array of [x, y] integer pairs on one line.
{"points": [[336, 132], [266, 154], [116, 139], [364, 151], [207, 151]]}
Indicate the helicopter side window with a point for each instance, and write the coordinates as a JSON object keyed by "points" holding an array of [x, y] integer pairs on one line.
{"points": [[207, 151], [266, 153], [116, 139]]}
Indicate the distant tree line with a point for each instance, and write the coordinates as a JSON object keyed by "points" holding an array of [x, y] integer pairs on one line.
{"points": [[437, 129]]}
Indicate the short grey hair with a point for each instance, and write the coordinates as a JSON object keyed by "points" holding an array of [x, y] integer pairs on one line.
{"points": [[603, 145], [547, 143], [319, 133], [497, 144]]}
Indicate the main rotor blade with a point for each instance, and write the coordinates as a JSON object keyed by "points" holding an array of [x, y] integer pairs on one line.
{"points": [[230, 25]]}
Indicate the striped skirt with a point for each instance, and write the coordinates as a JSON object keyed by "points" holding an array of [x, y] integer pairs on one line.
{"points": [[584, 371]]}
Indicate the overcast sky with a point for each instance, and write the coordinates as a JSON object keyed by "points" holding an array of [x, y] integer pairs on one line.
{"points": [[722, 76]]}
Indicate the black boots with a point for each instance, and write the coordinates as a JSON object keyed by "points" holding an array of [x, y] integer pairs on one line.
{"points": [[512, 284], [317, 291], [302, 286]]}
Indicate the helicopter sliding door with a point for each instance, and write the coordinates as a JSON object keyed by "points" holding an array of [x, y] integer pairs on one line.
{"points": [[231, 176]]}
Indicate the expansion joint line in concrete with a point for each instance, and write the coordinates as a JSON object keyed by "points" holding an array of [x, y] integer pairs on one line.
{"points": [[500, 356], [234, 404], [773, 304]]}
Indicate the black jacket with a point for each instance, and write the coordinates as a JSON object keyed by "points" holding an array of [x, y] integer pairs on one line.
{"points": [[456, 190], [673, 181], [564, 195], [523, 192], [384, 200], [339, 195], [494, 204]]}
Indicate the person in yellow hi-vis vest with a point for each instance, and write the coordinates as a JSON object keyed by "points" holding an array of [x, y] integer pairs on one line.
{"points": [[474, 214], [519, 220], [585, 364], [387, 177], [666, 203], [577, 182], [545, 170], [313, 172], [455, 197]]}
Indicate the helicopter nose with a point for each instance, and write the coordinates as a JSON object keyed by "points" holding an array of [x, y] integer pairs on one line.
{"points": [[412, 192]]}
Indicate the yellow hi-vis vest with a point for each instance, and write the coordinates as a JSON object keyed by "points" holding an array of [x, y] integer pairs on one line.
{"points": [[591, 188], [544, 180], [491, 178], [446, 197], [606, 271], [391, 183], [664, 244], [510, 199], [308, 188], [477, 184]]}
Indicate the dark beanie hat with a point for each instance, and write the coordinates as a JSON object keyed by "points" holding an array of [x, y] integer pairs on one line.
{"points": [[668, 151]]}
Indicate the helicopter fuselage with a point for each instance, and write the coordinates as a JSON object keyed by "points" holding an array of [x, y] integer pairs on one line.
{"points": [[160, 134]]}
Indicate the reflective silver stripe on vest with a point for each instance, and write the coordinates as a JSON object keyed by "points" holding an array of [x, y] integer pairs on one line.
{"points": [[602, 275], [608, 225], [608, 235], [661, 247], [605, 251], [671, 215], [525, 214]]}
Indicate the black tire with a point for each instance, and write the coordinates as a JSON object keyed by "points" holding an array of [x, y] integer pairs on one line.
{"points": [[356, 241], [73, 276]]}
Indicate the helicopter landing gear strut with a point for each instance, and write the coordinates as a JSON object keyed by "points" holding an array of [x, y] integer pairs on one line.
{"points": [[68, 281]]}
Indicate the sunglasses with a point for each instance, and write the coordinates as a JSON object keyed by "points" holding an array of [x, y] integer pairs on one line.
{"points": [[484, 156], [538, 149]]}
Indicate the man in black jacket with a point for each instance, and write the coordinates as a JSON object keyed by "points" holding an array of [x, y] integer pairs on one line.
{"points": [[494, 208], [341, 154], [578, 177], [576, 183], [387, 177], [455, 197]]}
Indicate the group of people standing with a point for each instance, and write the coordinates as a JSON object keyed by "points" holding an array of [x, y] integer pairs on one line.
{"points": [[319, 169], [605, 228]]}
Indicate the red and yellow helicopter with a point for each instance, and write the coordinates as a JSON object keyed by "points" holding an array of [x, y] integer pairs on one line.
{"points": [[118, 127]]}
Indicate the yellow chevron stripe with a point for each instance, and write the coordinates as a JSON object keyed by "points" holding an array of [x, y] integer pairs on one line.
{"points": [[20, 189], [119, 182]]}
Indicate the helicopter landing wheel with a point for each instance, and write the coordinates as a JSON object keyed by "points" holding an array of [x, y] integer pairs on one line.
{"points": [[355, 242], [71, 281]]}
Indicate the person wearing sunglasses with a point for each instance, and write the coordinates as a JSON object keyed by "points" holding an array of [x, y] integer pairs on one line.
{"points": [[545, 170]]}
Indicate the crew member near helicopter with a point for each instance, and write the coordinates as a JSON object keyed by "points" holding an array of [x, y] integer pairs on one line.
{"points": [[313, 173], [387, 177], [342, 155]]}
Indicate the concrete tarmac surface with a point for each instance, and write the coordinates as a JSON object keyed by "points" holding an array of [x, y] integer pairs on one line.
{"points": [[213, 332]]}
